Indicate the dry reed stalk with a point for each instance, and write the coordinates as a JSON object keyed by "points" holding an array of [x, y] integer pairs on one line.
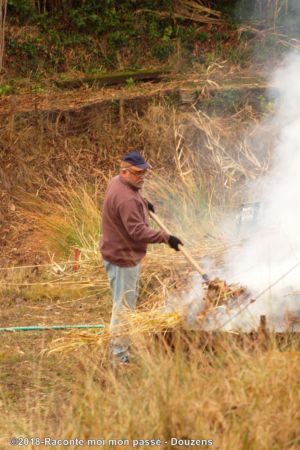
{"points": [[240, 160], [194, 11], [191, 10], [177, 131], [3, 10], [151, 321], [272, 9], [183, 157]]}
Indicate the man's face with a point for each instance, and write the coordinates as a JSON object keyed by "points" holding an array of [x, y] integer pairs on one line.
{"points": [[134, 176]]}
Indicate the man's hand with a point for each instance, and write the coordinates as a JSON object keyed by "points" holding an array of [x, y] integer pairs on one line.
{"points": [[174, 242], [150, 206]]}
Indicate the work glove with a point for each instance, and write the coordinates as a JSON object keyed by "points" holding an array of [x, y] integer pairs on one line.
{"points": [[150, 206], [174, 242]]}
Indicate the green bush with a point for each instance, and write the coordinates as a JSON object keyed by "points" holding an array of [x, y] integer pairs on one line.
{"points": [[130, 83], [162, 50], [165, 47], [21, 11], [188, 36], [117, 39], [6, 89], [95, 17], [32, 54], [153, 29]]}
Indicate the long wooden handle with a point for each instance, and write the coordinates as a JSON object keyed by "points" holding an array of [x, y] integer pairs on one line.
{"points": [[181, 247]]}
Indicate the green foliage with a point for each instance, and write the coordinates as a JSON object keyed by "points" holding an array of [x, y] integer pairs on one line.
{"points": [[95, 17], [202, 36], [166, 4], [228, 101], [37, 88], [153, 30], [168, 31], [221, 36], [95, 70], [21, 11], [6, 89], [86, 34], [236, 10], [235, 55], [117, 39], [162, 50], [190, 35], [165, 47], [266, 106], [25, 53], [130, 83], [32, 53], [211, 57]]}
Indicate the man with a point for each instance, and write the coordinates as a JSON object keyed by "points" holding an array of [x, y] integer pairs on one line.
{"points": [[125, 235]]}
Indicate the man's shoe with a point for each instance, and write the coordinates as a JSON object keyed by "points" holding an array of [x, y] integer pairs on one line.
{"points": [[124, 359], [121, 360]]}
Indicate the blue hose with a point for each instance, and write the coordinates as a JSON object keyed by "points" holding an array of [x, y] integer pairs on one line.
{"points": [[50, 327]]}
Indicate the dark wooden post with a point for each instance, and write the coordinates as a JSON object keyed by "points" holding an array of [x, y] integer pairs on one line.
{"points": [[262, 331], [121, 112], [263, 323]]}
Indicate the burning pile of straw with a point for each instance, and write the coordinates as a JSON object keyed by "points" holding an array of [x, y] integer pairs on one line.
{"points": [[219, 293]]}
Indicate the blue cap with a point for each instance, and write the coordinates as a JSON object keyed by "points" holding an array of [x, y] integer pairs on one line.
{"points": [[136, 159]]}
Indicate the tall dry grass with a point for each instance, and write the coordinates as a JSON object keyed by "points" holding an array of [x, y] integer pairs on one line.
{"points": [[240, 398], [65, 386], [69, 220], [198, 164]]}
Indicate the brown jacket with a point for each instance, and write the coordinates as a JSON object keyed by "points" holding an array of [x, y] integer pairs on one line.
{"points": [[125, 229]]}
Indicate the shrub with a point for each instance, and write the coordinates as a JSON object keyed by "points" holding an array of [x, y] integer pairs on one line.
{"points": [[21, 10]]}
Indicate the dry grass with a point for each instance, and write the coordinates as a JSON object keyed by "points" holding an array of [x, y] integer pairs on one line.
{"points": [[194, 11], [240, 396], [210, 153], [63, 212]]}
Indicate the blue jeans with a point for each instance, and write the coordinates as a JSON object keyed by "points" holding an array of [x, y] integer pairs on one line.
{"points": [[124, 283]]}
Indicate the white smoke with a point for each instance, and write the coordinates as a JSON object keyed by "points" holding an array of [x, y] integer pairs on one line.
{"points": [[264, 259], [274, 246], [189, 303]]}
